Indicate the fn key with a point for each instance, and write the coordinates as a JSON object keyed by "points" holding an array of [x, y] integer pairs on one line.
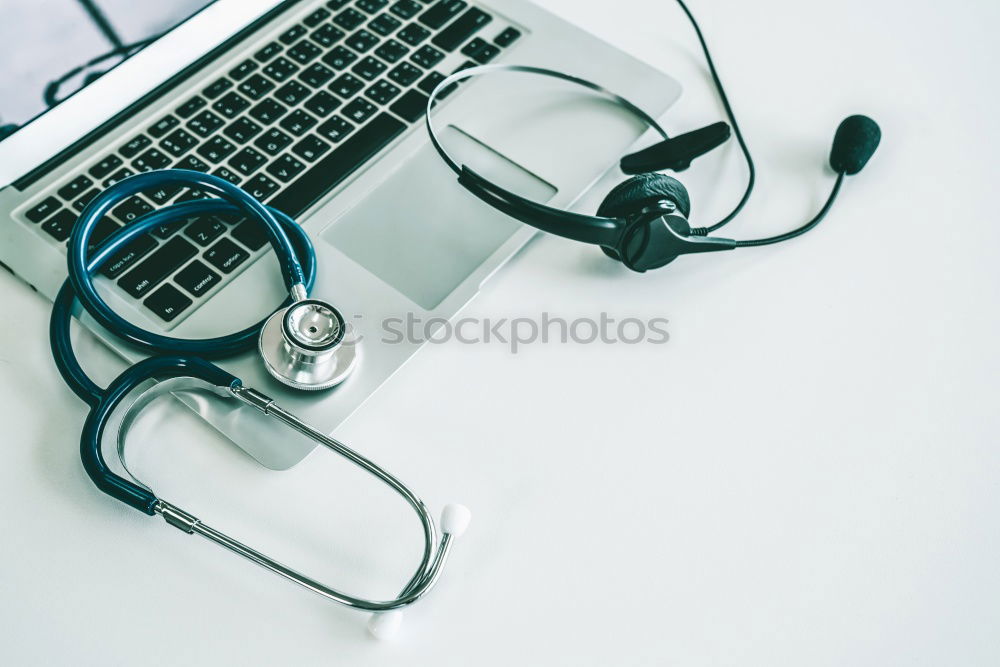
{"points": [[167, 302]]}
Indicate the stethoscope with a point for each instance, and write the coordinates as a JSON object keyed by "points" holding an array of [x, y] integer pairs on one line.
{"points": [[303, 345]]}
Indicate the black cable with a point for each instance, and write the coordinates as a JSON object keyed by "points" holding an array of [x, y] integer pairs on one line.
{"points": [[804, 228], [51, 92], [102, 23], [704, 231]]}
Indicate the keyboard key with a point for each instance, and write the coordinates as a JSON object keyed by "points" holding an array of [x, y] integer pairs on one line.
{"points": [[189, 108], [362, 41], [217, 88], [247, 161], [160, 264], [410, 106], [106, 166], [327, 35], [192, 163], [119, 175], [304, 52], [385, 24], [281, 69], [338, 164], [336, 4], [205, 230], [292, 93], [215, 149], [242, 70], [256, 87], [413, 34], [486, 54], [347, 85], [359, 110], [298, 122], [178, 142], [273, 141], [85, 198], [404, 74], [260, 187], [340, 57], [268, 52], [285, 168], [76, 187], [197, 278], [369, 68], [391, 51], [151, 160], [205, 123], [228, 174], [267, 111], [292, 34], [60, 225], [441, 13], [507, 37], [322, 104], [349, 19], [251, 234], [230, 105], [242, 130], [473, 47], [406, 9], [131, 209], [226, 255], [316, 17], [167, 302], [371, 6], [42, 209], [382, 92], [316, 75], [162, 195], [427, 56], [430, 82], [128, 256], [191, 194], [163, 126], [136, 144], [310, 148], [335, 129], [100, 233], [467, 24]]}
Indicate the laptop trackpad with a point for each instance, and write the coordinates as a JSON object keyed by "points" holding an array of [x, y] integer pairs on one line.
{"points": [[421, 232]]}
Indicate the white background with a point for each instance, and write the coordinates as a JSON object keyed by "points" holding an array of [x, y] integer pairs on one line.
{"points": [[806, 474]]}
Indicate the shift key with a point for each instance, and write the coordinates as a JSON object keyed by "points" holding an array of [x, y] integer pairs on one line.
{"points": [[157, 266]]}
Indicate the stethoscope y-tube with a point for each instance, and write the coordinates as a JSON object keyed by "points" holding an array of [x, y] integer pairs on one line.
{"points": [[186, 359]]}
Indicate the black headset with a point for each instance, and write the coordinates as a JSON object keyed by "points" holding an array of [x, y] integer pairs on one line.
{"points": [[643, 221]]}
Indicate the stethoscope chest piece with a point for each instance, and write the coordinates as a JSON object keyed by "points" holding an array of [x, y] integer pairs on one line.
{"points": [[308, 345]]}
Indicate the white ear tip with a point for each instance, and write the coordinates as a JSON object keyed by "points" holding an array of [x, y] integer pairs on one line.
{"points": [[455, 519], [385, 625]]}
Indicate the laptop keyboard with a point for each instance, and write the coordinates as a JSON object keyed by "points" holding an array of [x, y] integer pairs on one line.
{"points": [[288, 123]]}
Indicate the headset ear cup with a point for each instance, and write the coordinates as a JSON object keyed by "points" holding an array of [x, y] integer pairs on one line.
{"points": [[638, 192]]}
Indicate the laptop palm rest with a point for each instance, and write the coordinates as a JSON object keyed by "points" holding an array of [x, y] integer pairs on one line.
{"points": [[425, 245]]}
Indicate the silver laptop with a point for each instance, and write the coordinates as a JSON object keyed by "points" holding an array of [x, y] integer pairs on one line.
{"points": [[315, 107]]}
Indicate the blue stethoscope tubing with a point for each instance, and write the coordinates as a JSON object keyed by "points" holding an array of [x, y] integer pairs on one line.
{"points": [[183, 357]]}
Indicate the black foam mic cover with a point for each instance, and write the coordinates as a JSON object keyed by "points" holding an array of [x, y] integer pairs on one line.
{"points": [[854, 143]]}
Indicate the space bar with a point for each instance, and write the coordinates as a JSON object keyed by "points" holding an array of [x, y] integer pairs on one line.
{"points": [[329, 172]]}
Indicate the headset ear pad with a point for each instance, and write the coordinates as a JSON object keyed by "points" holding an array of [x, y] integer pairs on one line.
{"points": [[631, 196]]}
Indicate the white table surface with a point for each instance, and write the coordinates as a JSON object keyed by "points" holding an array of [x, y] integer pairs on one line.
{"points": [[805, 474]]}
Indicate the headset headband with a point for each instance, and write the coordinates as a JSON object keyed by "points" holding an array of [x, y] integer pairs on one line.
{"points": [[585, 228]]}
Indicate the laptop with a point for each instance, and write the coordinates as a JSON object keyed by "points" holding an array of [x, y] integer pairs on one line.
{"points": [[315, 107]]}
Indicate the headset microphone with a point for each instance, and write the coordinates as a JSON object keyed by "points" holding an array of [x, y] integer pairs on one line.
{"points": [[853, 145]]}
